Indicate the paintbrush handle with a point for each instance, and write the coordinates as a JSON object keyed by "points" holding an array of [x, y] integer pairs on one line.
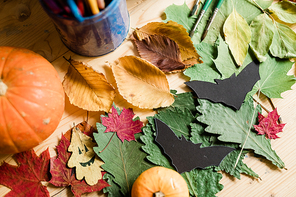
{"points": [[93, 4]]}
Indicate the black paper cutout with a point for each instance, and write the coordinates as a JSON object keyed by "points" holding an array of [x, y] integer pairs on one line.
{"points": [[231, 91], [185, 155]]}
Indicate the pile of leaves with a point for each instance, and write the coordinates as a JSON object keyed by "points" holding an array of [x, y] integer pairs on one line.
{"points": [[126, 147]]}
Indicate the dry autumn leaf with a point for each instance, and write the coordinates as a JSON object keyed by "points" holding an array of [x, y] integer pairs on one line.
{"points": [[87, 88], [152, 38], [141, 83], [83, 158]]}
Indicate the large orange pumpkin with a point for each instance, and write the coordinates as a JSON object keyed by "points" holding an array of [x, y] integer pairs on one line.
{"points": [[31, 99], [160, 181]]}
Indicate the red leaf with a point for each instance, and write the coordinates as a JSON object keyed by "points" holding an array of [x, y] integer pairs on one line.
{"points": [[25, 179], [269, 125], [62, 176], [122, 124]]}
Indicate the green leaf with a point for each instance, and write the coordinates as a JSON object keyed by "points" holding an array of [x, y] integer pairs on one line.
{"points": [[155, 154], [237, 35], [233, 126], [228, 165], [273, 78], [124, 160], [180, 14], [173, 118], [182, 100], [284, 10], [284, 42], [205, 71], [262, 29], [199, 136], [203, 182], [224, 61], [113, 190]]}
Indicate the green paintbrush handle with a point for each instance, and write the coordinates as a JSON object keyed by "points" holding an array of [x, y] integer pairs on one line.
{"points": [[219, 4], [206, 5]]}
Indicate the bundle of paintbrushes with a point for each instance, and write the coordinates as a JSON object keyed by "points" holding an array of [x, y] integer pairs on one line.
{"points": [[76, 8]]}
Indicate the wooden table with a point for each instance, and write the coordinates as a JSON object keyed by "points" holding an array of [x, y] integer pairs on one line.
{"points": [[23, 23]]}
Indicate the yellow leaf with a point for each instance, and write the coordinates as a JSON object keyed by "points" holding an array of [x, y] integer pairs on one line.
{"points": [[141, 83], [83, 158], [237, 35], [87, 88], [175, 32]]}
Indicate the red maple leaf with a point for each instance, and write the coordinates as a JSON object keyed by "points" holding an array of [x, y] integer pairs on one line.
{"points": [[25, 179], [268, 125], [122, 124], [62, 176]]}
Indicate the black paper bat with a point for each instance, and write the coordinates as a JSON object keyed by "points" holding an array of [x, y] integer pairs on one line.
{"points": [[184, 154], [231, 91]]}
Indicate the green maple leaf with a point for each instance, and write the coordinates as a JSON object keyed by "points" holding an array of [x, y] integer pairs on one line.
{"points": [[225, 63], [273, 78], [233, 126], [203, 182], [125, 161], [207, 70]]}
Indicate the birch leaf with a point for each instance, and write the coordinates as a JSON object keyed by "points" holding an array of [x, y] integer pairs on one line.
{"points": [[284, 42], [141, 83], [176, 33], [237, 35], [262, 29], [87, 88], [284, 10]]}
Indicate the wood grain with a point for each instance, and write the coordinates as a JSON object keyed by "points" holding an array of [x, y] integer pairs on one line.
{"points": [[23, 23]]}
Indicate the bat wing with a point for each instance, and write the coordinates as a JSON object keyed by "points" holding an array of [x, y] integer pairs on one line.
{"points": [[184, 154], [231, 91]]}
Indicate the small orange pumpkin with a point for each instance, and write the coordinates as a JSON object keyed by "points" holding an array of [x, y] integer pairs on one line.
{"points": [[160, 181], [31, 99]]}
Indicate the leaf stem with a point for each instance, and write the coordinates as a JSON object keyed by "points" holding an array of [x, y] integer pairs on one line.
{"points": [[273, 108], [108, 143], [249, 130], [59, 192]]}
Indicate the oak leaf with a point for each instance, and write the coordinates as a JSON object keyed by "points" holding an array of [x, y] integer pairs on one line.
{"points": [[268, 125], [170, 36], [123, 124], [62, 176], [87, 164], [88, 89], [141, 83], [25, 179]]}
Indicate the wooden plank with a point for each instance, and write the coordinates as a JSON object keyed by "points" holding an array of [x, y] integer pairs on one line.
{"points": [[23, 23]]}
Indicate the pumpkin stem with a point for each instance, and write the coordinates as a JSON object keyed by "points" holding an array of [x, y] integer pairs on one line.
{"points": [[158, 194], [3, 88]]}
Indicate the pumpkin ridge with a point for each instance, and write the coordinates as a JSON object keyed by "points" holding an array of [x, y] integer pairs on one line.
{"points": [[32, 69], [7, 132], [43, 88], [18, 113]]}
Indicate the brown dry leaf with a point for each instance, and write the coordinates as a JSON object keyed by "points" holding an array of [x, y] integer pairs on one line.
{"points": [[87, 88], [176, 33], [141, 83], [162, 52]]}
